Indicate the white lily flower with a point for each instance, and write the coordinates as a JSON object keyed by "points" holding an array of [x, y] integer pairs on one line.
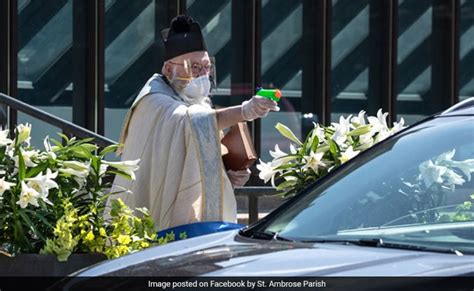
{"points": [[379, 123], [360, 119], [345, 123], [452, 179], [79, 171], [339, 136], [319, 132], [431, 173], [27, 157], [28, 196], [128, 167], [445, 157], [382, 135], [78, 166], [10, 151], [267, 171], [466, 166], [42, 183], [397, 126], [24, 131], [103, 169], [280, 157], [277, 153], [314, 161], [73, 172], [78, 176], [4, 140], [366, 141], [48, 147], [341, 130], [348, 154], [293, 150], [5, 186]]}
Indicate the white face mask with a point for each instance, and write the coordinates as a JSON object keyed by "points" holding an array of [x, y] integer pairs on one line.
{"points": [[197, 89]]}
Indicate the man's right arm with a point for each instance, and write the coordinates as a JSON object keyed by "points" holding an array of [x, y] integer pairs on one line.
{"points": [[254, 108]]}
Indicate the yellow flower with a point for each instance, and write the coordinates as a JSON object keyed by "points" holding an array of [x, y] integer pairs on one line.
{"points": [[90, 236], [124, 239]]}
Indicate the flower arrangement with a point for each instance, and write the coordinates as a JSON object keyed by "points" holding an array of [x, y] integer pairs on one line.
{"points": [[53, 201], [324, 148]]}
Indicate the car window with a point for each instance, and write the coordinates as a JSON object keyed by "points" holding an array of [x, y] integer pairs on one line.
{"points": [[416, 186]]}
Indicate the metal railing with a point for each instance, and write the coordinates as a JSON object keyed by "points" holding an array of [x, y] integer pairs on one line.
{"points": [[66, 126], [253, 193]]}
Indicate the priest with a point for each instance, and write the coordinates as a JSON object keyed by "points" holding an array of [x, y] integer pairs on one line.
{"points": [[174, 131]]}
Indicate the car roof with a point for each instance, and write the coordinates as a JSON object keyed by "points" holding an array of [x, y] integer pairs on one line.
{"points": [[465, 107]]}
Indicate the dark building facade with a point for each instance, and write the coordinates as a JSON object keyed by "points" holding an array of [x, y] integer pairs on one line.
{"points": [[85, 61]]}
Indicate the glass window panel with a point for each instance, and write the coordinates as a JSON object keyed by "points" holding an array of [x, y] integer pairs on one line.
{"points": [[349, 57], [215, 18], [44, 62], [414, 58], [131, 56], [466, 55], [281, 68]]}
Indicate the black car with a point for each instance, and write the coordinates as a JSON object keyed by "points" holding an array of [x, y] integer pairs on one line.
{"points": [[402, 208]]}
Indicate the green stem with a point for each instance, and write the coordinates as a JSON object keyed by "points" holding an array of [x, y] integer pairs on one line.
{"points": [[18, 232]]}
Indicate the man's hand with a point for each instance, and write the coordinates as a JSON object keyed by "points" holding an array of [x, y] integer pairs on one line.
{"points": [[258, 107], [238, 178]]}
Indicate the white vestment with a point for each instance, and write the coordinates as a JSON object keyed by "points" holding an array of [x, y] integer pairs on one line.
{"points": [[181, 177]]}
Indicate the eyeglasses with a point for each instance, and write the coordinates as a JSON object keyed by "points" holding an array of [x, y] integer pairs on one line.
{"points": [[196, 68]]}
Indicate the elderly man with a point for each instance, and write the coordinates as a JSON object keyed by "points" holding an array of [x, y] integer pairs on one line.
{"points": [[173, 130]]}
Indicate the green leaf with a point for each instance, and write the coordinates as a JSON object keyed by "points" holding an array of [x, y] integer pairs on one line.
{"points": [[40, 217], [3, 217], [110, 149], [56, 143], [288, 166], [294, 156], [128, 177], [36, 170], [95, 164], [21, 165], [2, 152], [85, 141], [30, 225], [304, 148], [286, 185], [286, 132], [360, 130], [63, 136], [81, 152], [315, 144], [89, 147], [333, 148]]}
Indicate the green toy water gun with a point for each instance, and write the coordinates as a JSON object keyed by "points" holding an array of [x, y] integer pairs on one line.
{"points": [[272, 94]]}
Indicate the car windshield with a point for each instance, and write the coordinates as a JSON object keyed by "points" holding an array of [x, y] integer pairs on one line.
{"points": [[416, 188]]}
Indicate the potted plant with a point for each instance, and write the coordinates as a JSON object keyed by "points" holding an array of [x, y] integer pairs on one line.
{"points": [[53, 213]]}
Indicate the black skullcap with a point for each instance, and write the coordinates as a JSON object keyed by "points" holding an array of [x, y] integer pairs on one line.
{"points": [[183, 36]]}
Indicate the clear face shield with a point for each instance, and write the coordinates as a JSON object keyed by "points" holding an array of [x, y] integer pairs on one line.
{"points": [[194, 80]]}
